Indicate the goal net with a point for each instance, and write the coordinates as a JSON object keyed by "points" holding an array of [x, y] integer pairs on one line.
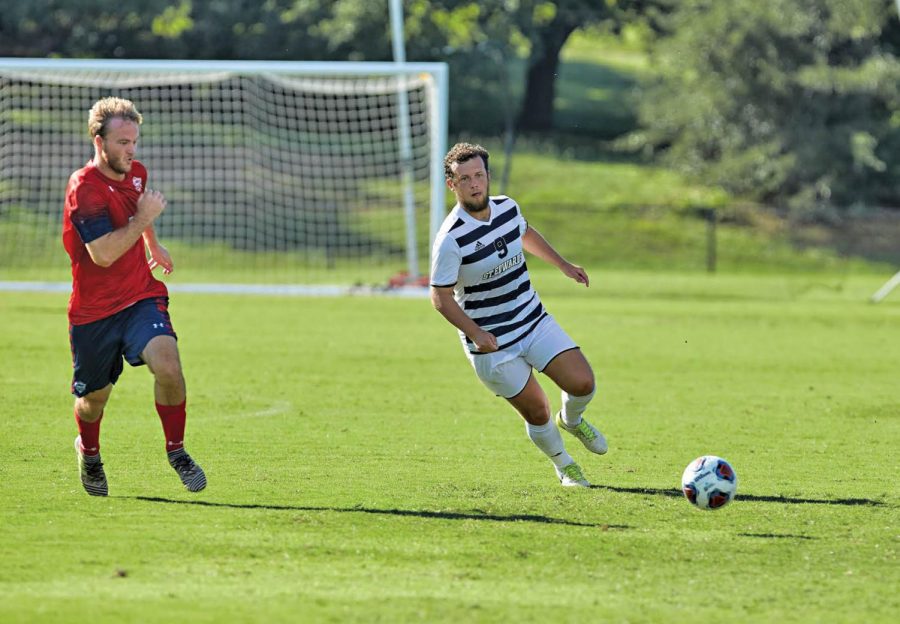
{"points": [[274, 172]]}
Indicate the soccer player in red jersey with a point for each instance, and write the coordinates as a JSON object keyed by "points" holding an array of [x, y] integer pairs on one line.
{"points": [[118, 310]]}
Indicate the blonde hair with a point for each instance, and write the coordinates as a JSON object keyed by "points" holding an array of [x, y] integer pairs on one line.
{"points": [[110, 108]]}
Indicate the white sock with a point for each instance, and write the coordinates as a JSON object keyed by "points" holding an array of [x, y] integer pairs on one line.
{"points": [[546, 437], [574, 406]]}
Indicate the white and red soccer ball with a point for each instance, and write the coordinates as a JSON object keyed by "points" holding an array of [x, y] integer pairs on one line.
{"points": [[709, 482]]}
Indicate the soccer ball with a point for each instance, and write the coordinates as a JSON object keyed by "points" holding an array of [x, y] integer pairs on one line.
{"points": [[709, 482]]}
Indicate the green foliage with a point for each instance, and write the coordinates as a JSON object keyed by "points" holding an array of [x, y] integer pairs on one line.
{"points": [[89, 28], [786, 102], [485, 42], [173, 21]]}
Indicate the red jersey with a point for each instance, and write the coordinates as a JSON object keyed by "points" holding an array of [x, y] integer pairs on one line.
{"points": [[95, 206]]}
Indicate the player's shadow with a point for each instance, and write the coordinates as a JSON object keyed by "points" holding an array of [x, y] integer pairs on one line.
{"points": [[772, 536], [435, 515], [676, 493]]}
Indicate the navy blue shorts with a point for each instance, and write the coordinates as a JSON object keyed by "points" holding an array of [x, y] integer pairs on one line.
{"points": [[98, 348]]}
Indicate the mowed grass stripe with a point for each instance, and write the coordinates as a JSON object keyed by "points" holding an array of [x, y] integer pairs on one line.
{"points": [[358, 471]]}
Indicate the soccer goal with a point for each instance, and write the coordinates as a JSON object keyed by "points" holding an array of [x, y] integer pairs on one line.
{"points": [[282, 173]]}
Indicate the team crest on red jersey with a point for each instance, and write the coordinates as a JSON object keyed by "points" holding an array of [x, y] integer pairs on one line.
{"points": [[137, 184]]}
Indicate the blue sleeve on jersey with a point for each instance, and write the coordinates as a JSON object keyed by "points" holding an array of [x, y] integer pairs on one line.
{"points": [[93, 227]]}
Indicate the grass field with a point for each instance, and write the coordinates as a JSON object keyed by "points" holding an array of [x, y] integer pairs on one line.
{"points": [[359, 472]]}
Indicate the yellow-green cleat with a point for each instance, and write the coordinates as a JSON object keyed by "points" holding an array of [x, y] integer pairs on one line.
{"points": [[571, 476], [592, 439]]}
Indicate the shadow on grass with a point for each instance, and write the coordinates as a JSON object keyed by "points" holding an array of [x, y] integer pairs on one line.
{"points": [[676, 493], [777, 536], [437, 515]]}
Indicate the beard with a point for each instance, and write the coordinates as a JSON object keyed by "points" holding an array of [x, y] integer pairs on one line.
{"points": [[478, 206], [119, 165]]}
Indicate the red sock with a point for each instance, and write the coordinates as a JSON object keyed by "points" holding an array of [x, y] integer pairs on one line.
{"points": [[90, 434], [172, 418]]}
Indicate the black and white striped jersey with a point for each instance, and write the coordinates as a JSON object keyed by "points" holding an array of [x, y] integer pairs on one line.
{"points": [[485, 263]]}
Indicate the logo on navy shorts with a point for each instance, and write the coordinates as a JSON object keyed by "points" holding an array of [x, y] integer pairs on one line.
{"points": [[79, 386]]}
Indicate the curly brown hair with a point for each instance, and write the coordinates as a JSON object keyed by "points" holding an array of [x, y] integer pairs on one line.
{"points": [[462, 152], [109, 108]]}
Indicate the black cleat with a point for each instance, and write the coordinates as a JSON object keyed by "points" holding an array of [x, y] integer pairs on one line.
{"points": [[93, 478], [190, 473]]}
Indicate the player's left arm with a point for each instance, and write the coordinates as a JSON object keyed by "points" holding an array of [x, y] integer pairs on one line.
{"points": [[159, 255], [534, 243]]}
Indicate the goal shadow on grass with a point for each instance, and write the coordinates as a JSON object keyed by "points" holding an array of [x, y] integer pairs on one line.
{"points": [[432, 515], [675, 493]]}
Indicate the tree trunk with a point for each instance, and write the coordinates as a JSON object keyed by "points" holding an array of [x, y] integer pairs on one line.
{"points": [[540, 81]]}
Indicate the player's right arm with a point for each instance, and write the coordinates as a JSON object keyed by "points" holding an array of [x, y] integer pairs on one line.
{"points": [[443, 301], [445, 264], [106, 249]]}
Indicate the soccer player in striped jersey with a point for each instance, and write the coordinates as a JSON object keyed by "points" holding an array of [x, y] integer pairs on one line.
{"points": [[480, 284], [118, 309]]}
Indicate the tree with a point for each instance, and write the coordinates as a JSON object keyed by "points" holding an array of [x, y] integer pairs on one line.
{"points": [[482, 40], [547, 29], [213, 29], [88, 28], [499, 31], [786, 102]]}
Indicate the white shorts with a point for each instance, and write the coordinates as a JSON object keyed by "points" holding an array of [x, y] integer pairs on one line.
{"points": [[506, 372]]}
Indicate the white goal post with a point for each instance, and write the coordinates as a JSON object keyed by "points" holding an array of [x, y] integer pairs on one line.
{"points": [[276, 172], [892, 283]]}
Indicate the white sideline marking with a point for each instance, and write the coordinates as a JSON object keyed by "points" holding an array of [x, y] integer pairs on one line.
{"points": [[35, 287], [277, 408], [890, 285], [292, 290]]}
